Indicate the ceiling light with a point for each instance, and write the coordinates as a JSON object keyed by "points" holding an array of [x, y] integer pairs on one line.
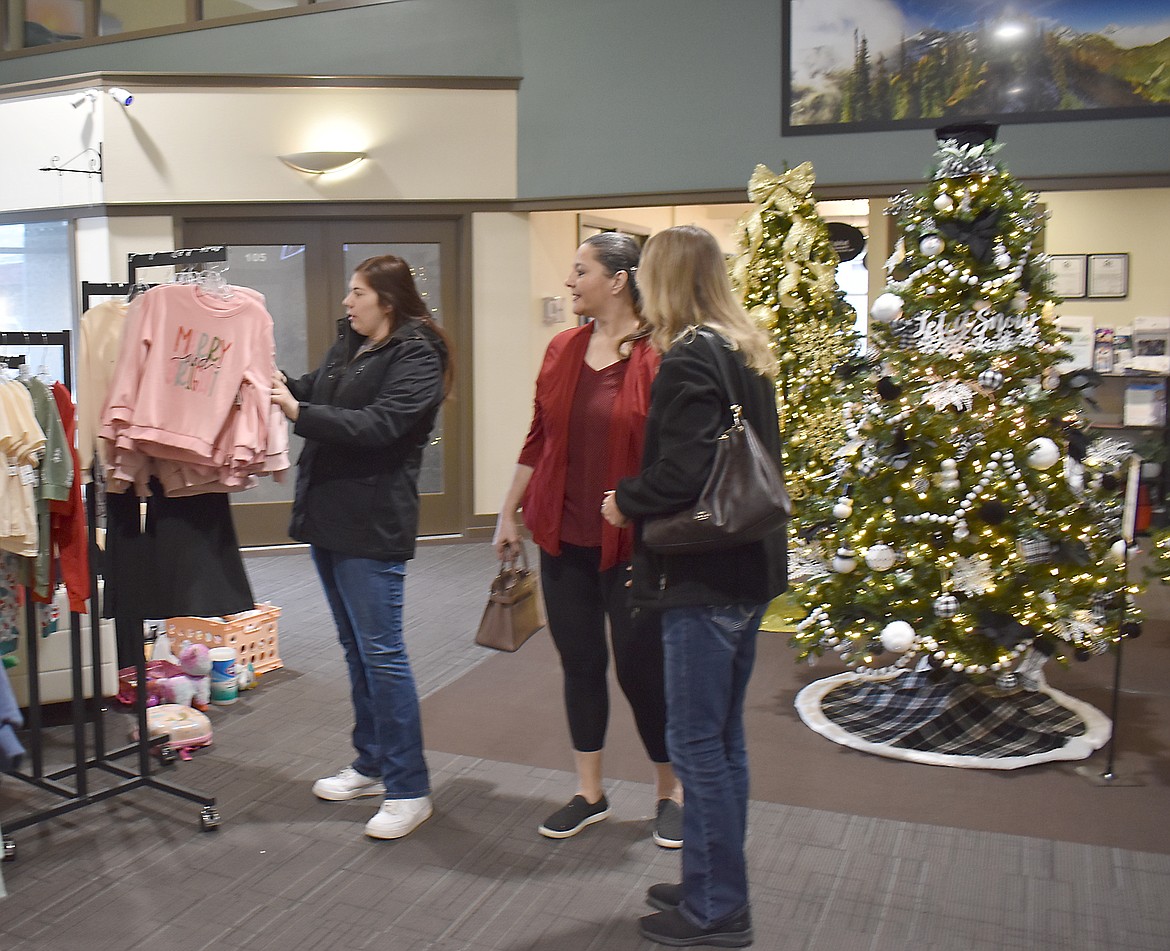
{"points": [[321, 163]]}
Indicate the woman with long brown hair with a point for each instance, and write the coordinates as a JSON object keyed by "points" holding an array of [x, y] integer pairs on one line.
{"points": [[365, 414]]}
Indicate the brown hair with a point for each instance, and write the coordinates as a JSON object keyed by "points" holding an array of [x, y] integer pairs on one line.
{"points": [[390, 277], [615, 252]]}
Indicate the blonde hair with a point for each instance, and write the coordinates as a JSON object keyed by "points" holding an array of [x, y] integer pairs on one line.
{"points": [[683, 276]]}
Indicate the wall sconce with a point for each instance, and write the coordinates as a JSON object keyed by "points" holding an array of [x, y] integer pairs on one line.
{"points": [[321, 163]]}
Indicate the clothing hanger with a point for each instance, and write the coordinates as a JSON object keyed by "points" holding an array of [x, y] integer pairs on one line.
{"points": [[213, 281]]}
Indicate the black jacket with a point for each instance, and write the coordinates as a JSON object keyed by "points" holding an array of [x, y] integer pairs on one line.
{"points": [[688, 410], [365, 421]]}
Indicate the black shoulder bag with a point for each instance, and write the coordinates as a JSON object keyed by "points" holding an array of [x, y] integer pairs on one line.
{"points": [[744, 498]]}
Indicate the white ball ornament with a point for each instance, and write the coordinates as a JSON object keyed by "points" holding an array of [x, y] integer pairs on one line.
{"points": [[1003, 261], [897, 636], [880, 557], [886, 308], [844, 562], [943, 202], [843, 509], [932, 245], [1043, 453]]}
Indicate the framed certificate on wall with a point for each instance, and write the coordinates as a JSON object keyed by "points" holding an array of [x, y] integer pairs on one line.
{"points": [[1108, 275], [1068, 275]]}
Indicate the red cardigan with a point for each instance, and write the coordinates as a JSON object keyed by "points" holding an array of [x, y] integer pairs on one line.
{"points": [[546, 448]]}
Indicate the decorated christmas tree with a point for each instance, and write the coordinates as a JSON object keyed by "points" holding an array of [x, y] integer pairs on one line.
{"points": [[786, 276], [975, 524]]}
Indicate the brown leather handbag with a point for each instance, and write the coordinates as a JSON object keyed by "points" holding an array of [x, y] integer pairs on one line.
{"points": [[514, 612]]}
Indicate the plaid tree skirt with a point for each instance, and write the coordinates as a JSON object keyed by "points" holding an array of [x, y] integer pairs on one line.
{"points": [[946, 720]]}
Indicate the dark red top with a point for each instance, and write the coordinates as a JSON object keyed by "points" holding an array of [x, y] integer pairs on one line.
{"points": [[588, 460], [546, 449]]}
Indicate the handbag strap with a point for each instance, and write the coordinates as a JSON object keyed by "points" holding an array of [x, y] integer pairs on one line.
{"points": [[519, 560], [722, 355]]}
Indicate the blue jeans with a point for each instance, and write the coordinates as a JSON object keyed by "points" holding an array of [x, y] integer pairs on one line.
{"points": [[366, 595], [709, 652]]}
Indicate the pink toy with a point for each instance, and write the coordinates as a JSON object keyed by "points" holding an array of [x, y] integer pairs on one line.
{"points": [[192, 687]]}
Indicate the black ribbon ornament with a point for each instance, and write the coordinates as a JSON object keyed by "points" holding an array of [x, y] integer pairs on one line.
{"points": [[1071, 553], [1078, 443], [978, 234], [1083, 382], [1000, 628]]}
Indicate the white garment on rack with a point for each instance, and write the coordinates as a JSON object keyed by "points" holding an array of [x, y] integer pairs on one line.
{"points": [[100, 341], [21, 443]]}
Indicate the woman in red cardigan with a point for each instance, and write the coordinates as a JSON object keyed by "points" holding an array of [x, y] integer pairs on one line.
{"points": [[592, 395]]}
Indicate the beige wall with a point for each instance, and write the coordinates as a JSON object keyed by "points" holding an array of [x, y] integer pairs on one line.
{"points": [[1107, 222], [182, 145], [222, 145]]}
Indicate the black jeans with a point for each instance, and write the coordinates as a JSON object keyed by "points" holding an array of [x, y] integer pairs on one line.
{"points": [[578, 598]]}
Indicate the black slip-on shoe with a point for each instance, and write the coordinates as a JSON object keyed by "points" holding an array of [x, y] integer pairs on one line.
{"points": [[671, 928], [668, 823], [664, 896], [573, 817]]}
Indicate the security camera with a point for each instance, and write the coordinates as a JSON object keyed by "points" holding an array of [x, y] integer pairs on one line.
{"points": [[122, 96], [82, 98]]}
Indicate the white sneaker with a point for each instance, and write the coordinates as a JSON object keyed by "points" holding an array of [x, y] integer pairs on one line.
{"points": [[399, 817], [347, 784]]}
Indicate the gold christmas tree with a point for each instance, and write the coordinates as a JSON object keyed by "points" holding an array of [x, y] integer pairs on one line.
{"points": [[786, 276]]}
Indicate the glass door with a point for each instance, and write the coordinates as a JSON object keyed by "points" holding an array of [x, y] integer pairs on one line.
{"points": [[303, 268]]}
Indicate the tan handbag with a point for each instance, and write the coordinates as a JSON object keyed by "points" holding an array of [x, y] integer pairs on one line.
{"points": [[513, 613]]}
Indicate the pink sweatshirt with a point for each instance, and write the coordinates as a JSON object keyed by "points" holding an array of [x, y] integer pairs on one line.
{"points": [[189, 360]]}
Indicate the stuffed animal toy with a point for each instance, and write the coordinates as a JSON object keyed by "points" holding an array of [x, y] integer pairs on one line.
{"points": [[192, 687]]}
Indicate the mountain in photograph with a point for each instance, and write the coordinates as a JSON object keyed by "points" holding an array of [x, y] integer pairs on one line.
{"points": [[995, 68]]}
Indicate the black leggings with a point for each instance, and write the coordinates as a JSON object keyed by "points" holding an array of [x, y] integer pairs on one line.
{"points": [[578, 598]]}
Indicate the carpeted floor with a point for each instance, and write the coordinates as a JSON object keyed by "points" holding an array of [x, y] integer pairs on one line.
{"points": [[509, 709], [287, 872]]}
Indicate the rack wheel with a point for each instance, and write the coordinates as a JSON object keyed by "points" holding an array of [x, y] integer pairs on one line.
{"points": [[9, 851], [167, 754], [208, 819]]}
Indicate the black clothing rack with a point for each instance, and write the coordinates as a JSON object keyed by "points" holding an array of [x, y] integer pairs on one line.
{"points": [[79, 794], [187, 258]]}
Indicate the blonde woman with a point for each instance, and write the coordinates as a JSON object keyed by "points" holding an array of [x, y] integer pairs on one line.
{"points": [[711, 604]]}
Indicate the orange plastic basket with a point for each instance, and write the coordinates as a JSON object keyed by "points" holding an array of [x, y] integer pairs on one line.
{"points": [[251, 633]]}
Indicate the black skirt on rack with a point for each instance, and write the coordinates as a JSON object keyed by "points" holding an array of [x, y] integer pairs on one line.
{"points": [[184, 562]]}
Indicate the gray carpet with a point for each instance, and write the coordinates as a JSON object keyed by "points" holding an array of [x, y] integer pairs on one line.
{"points": [[285, 871]]}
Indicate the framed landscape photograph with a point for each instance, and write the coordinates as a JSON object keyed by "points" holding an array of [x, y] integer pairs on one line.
{"points": [[861, 65]]}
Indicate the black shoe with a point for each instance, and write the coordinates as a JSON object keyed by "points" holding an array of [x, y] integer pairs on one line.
{"points": [[572, 818], [668, 824], [664, 896], [670, 927]]}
